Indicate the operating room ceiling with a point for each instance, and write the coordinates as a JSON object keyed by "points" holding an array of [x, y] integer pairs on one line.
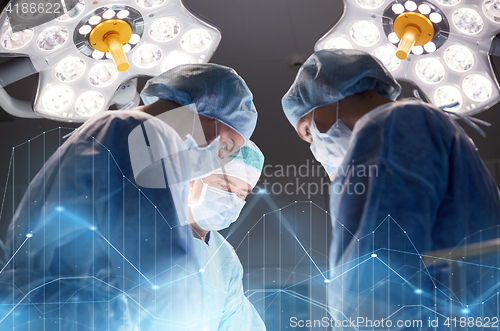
{"points": [[259, 38]]}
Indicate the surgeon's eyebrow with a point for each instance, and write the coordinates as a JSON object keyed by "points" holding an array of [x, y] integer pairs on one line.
{"points": [[230, 182]]}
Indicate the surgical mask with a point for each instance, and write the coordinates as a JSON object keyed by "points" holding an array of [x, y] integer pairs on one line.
{"points": [[216, 208], [330, 148]]}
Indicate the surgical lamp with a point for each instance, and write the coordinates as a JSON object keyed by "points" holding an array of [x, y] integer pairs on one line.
{"points": [[442, 46], [90, 57]]}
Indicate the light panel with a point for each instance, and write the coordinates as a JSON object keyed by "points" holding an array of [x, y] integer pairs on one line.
{"points": [[453, 67], [164, 34]]}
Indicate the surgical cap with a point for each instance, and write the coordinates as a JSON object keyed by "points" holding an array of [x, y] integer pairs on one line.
{"points": [[328, 76], [246, 164], [217, 91]]}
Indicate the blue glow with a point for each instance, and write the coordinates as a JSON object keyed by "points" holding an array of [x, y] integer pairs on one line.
{"points": [[418, 291], [327, 281], [29, 235], [93, 228], [465, 311], [374, 255], [59, 208], [155, 287], [202, 270]]}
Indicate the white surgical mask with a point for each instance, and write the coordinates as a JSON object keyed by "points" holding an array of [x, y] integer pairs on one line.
{"points": [[216, 209], [330, 148]]}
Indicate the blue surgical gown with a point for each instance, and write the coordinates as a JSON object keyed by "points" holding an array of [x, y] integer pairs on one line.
{"points": [[411, 183], [104, 254], [228, 307]]}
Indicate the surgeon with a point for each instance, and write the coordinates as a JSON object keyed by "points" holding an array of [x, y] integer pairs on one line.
{"points": [[407, 180], [88, 248], [215, 202]]}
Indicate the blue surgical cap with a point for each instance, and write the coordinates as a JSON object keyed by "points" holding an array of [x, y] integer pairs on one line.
{"points": [[328, 76], [218, 92]]}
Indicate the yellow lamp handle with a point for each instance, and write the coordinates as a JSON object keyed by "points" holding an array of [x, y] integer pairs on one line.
{"points": [[114, 44], [410, 36]]}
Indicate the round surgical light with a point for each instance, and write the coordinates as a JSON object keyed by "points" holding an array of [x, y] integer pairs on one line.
{"points": [[459, 58], [147, 56], [417, 50], [70, 69], [56, 99], [410, 5], [398, 8], [89, 103], [338, 43], [109, 14], [370, 4], [74, 12], [164, 29], [435, 17], [430, 47], [365, 33], [127, 48], [12, 41], [448, 95], [103, 74], [196, 41], [393, 37], [150, 3], [424, 9], [175, 59], [467, 20], [52, 38], [491, 9], [387, 55], [430, 70], [477, 87], [448, 2]]}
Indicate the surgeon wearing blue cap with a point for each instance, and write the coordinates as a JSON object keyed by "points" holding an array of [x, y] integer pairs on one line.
{"points": [[91, 248], [407, 180]]}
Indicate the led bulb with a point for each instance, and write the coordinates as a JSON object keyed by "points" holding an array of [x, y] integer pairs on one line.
{"points": [[52, 38], [94, 20], [410, 5], [477, 87], [417, 50], [89, 103], [458, 58], [196, 41], [84, 29], [70, 69], [435, 18], [175, 59], [338, 43], [150, 3], [164, 29], [387, 55], [74, 12], [12, 41], [448, 2], [393, 37], [365, 33], [147, 56], [467, 20], [430, 47], [134, 39], [127, 48], [491, 8], [448, 95], [123, 14], [424, 9], [103, 74], [109, 14], [398, 8], [97, 54], [57, 99], [370, 4], [430, 70]]}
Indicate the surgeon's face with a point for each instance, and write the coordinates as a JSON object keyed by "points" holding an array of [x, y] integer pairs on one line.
{"points": [[231, 141], [324, 117], [226, 183]]}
